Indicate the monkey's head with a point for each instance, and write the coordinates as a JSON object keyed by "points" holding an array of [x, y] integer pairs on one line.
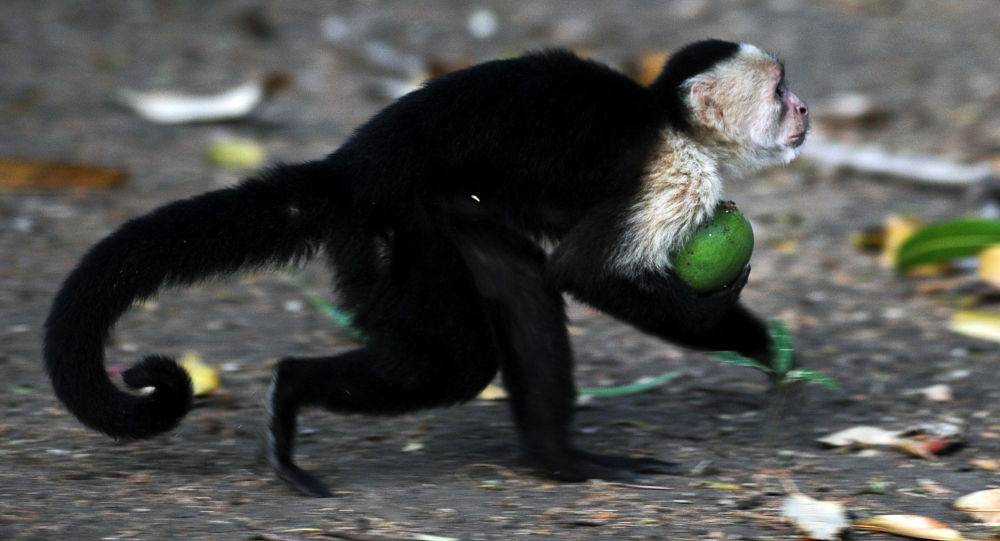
{"points": [[733, 97]]}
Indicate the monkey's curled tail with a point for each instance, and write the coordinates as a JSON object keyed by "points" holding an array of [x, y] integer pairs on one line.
{"points": [[264, 221]]}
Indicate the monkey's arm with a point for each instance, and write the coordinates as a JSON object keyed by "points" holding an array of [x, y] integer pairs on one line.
{"points": [[655, 301]]}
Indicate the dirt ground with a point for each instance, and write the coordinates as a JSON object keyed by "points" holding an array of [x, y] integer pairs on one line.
{"points": [[931, 68]]}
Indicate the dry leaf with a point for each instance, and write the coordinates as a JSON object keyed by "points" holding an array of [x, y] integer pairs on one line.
{"points": [[897, 229], [818, 519], [786, 246], [989, 265], [933, 487], [926, 449], [16, 173], [988, 464], [204, 378], [165, 107], [236, 154], [977, 324], [493, 392], [925, 440], [850, 108], [984, 505], [861, 435], [935, 393], [910, 525], [721, 486], [647, 67]]}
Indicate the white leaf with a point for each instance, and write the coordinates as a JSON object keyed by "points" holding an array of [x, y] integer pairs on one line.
{"points": [[165, 107], [984, 505], [861, 435], [818, 519]]}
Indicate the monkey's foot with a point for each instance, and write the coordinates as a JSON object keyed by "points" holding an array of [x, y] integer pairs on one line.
{"points": [[302, 481], [579, 465]]}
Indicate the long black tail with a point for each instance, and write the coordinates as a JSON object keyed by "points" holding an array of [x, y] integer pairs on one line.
{"points": [[274, 218]]}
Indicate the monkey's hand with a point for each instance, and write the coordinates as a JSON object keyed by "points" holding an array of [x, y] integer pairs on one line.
{"points": [[706, 309]]}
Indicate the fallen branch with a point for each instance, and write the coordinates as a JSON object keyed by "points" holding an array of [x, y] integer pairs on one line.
{"points": [[870, 159]]}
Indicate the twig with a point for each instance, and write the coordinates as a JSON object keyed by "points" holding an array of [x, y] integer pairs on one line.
{"points": [[874, 160], [641, 487]]}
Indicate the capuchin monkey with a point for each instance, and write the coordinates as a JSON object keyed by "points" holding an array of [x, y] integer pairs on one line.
{"points": [[434, 216]]}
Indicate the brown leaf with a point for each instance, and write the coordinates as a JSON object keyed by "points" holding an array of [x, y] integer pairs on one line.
{"points": [[44, 174], [647, 67], [927, 449], [910, 525]]}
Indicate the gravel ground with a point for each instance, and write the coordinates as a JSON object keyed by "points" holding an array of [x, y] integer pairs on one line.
{"points": [[931, 69]]}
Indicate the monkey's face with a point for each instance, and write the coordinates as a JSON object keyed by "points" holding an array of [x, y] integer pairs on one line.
{"points": [[744, 105]]}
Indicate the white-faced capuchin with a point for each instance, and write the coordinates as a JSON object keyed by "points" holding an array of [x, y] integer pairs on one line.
{"points": [[433, 216]]}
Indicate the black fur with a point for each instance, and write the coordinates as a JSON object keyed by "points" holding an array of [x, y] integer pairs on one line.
{"points": [[446, 287], [692, 59]]}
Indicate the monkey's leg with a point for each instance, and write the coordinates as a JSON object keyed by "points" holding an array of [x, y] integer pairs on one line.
{"points": [[427, 344], [528, 324], [373, 380], [536, 364]]}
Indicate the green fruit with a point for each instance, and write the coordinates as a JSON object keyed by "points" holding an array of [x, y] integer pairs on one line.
{"points": [[716, 252]]}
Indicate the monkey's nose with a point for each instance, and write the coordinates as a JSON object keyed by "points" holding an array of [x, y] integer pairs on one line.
{"points": [[803, 110]]}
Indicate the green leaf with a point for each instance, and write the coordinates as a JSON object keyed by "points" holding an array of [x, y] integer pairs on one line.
{"points": [[633, 388], [945, 241], [341, 318], [784, 349], [807, 374], [731, 357]]}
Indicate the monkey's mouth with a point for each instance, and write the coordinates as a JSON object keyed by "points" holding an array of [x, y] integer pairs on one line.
{"points": [[797, 139]]}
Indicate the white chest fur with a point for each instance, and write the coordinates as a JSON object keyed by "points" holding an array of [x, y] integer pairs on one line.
{"points": [[680, 188]]}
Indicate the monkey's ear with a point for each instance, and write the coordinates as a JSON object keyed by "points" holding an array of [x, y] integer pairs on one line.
{"points": [[704, 107]]}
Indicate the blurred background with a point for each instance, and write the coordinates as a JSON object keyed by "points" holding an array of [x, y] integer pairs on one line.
{"points": [[110, 108]]}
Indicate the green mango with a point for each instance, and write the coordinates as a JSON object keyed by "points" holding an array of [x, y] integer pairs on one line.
{"points": [[717, 250]]}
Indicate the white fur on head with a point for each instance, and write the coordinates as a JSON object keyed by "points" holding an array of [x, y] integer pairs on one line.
{"points": [[741, 122], [738, 115]]}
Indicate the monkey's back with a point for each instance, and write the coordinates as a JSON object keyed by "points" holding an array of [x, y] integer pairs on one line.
{"points": [[547, 127]]}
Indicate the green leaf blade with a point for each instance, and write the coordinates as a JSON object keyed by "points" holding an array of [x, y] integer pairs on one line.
{"points": [[731, 357], [945, 241], [784, 349], [632, 388], [806, 374]]}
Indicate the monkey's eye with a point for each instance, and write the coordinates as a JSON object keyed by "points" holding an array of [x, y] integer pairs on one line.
{"points": [[779, 92]]}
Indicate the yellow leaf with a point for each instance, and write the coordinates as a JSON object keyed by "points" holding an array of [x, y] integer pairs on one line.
{"points": [[989, 265], [204, 378], [910, 525], [984, 505], [897, 229], [236, 154], [493, 392], [977, 324], [721, 486], [786, 246]]}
